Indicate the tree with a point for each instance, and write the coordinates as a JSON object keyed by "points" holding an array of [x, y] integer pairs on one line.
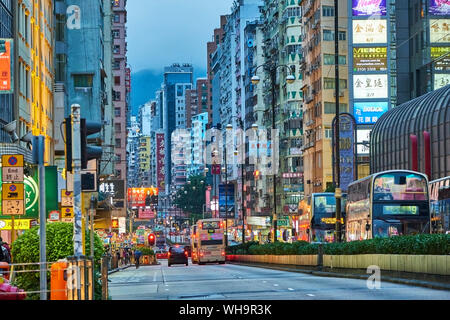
{"points": [[191, 198]]}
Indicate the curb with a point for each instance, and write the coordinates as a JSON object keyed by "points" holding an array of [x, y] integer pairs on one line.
{"points": [[120, 269], [411, 282]]}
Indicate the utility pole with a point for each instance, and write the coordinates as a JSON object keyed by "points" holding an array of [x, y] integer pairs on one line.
{"points": [[273, 74], [226, 197], [76, 157], [338, 193], [42, 216]]}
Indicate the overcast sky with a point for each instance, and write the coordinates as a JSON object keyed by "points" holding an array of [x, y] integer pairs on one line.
{"points": [[162, 32]]}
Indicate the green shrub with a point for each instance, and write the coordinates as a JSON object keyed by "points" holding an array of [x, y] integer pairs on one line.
{"points": [[59, 246], [147, 251], [423, 244]]}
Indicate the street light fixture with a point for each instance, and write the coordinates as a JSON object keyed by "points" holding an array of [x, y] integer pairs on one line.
{"points": [[289, 79]]}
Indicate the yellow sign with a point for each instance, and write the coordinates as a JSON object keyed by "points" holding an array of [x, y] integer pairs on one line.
{"points": [[66, 198], [67, 212], [13, 191], [15, 160], [13, 207], [19, 224], [331, 220]]}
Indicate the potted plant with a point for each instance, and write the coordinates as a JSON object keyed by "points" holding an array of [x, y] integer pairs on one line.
{"points": [[148, 256]]}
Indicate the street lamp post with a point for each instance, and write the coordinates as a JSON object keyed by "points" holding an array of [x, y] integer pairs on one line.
{"points": [[289, 79]]}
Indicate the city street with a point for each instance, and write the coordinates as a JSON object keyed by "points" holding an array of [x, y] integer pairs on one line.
{"points": [[235, 282]]}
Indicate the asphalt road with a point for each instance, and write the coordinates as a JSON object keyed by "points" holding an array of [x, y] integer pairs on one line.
{"points": [[235, 282]]}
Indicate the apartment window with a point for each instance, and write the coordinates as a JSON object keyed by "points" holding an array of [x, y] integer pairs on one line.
{"points": [[329, 59], [329, 83], [83, 80], [116, 95], [116, 64], [117, 80], [117, 112], [116, 49], [117, 127], [328, 35], [116, 34], [328, 133], [328, 11], [118, 143], [117, 18], [330, 107]]}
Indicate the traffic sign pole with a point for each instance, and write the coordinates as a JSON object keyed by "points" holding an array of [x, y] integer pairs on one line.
{"points": [[76, 157]]}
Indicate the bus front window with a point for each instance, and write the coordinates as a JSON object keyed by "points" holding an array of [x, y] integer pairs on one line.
{"points": [[400, 186]]}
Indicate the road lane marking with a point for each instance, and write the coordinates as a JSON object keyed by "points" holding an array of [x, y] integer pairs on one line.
{"points": [[275, 285], [311, 295], [290, 289], [154, 276]]}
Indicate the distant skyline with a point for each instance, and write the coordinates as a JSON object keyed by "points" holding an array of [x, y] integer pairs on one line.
{"points": [[160, 33]]}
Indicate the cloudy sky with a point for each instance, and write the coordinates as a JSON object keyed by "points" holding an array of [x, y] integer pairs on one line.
{"points": [[161, 32]]}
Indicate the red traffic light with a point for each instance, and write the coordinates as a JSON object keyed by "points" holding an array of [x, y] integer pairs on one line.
{"points": [[151, 239]]}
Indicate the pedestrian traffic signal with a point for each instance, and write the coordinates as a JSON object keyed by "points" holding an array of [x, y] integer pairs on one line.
{"points": [[151, 239], [88, 128]]}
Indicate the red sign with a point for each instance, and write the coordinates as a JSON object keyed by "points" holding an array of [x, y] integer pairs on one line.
{"points": [[215, 169], [115, 223], [146, 213], [5, 65], [160, 161]]}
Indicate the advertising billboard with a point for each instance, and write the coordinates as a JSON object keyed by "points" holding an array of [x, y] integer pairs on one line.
{"points": [[441, 58], [369, 112], [370, 59], [363, 140], [6, 66], [370, 86], [439, 7], [439, 30], [146, 213], [365, 8], [113, 188], [226, 200], [160, 160], [441, 80], [141, 197], [369, 31]]}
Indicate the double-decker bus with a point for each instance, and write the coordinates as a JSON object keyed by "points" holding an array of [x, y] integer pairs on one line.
{"points": [[317, 217], [387, 204], [194, 244], [440, 205], [209, 240]]}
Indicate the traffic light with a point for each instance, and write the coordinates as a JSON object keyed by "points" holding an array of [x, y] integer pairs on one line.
{"points": [[88, 128], [151, 239], [68, 144]]}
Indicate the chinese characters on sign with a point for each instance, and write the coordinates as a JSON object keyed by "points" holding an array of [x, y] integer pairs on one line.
{"points": [[441, 80], [439, 30], [160, 161], [369, 112], [142, 197], [5, 66], [441, 58], [370, 86], [369, 31]]}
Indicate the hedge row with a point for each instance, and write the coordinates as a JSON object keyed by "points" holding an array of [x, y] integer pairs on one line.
{"points": [[433, 244]]}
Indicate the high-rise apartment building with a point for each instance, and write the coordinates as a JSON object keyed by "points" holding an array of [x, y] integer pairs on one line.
{"points": [[121, 88]]}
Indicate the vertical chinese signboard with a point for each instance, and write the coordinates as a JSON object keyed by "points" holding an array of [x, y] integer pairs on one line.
{"points": [[347, 152], [6, 66], [160, 160]]}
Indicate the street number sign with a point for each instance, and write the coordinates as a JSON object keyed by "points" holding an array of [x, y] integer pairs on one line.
{"points": [[13, 207]]}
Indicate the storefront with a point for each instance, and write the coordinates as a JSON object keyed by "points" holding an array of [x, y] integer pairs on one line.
{"points": [[258, 229]]}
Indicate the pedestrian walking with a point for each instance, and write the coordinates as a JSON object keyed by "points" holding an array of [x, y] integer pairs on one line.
{"points": [[137, 256]]}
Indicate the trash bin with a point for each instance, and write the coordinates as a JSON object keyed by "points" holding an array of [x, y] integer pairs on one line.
{"points": [[58, 281]]}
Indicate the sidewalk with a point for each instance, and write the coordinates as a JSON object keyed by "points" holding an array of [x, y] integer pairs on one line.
{"points": [[120, 268], [427, 281]]}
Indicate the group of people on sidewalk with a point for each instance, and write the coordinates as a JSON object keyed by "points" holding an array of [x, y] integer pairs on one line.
{"points": [[5, 252], [123, 256]]}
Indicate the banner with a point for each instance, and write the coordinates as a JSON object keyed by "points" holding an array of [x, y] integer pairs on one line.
{"points": [[146, 213], [142, 197], [226, 200], [369, 112], [370, 86], [6, 66], [370, 59], [369, 31], [439, 30], [160, 161], [441, 61]]}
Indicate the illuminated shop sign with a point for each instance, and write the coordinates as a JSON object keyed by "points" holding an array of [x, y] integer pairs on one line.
{"points": [[369, 31], [373, 86], [364, 8], [439, 30], [441, 63], [370, 59], [369, 112], [441, 80], [439, 7]]}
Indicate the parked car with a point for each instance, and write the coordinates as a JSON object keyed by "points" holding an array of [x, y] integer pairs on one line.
{"points": [[177, 255]]}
